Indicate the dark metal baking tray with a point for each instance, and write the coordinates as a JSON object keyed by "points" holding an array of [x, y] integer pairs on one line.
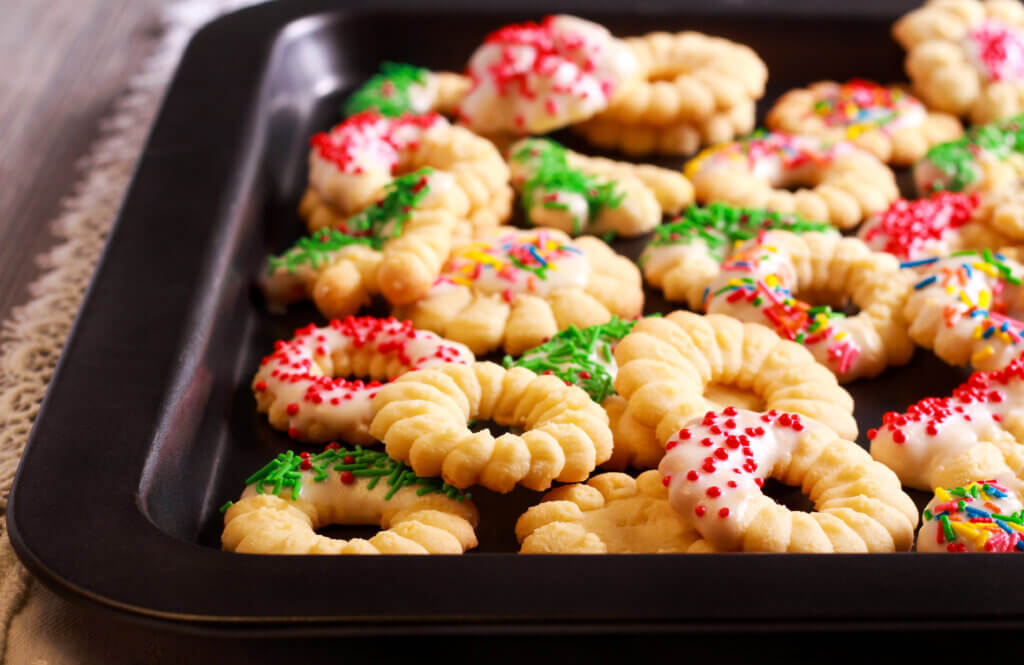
{"points": [[149, 425]]}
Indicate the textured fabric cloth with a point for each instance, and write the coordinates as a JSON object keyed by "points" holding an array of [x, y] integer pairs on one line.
{"points": [[34, 623]]}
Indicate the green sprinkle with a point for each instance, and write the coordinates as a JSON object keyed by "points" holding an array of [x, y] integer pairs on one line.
{"points": [[283, 472], [575, 355], [388, 91], [958, 160], [551, 174], [720, 226], [224, 508], [947, 528], [927, 515], [373, 227]]}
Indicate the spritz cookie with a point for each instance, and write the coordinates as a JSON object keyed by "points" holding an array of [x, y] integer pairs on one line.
{"points": [[397, 89], [579, 194], [685, 254], [395, 247], [763, 279], [687, 77], [531, 78], [350, 165], [884, 120], [515, 289], [295, 494], [307, 386], [846, 184], [716, 464], [423, 419], [612, 513], [973, 435], [965, 307], [674, 368], [966, 57], [976, 517]]}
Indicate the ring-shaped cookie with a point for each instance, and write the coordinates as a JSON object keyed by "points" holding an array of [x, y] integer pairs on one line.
{"points": [[884, 120], [847, 183], [716, 464], [531, 78], [975, 434], [966, 57], [673, 368], [350, 165], [977, 517], [686, 77], [966, 307], [395, 247], [685, 253], [986, 158], [423, 418], [612, 513], [762, 282], [577, 194], [919, 229], [303, 386], [682, 138], [517, 288], [295, 494]]}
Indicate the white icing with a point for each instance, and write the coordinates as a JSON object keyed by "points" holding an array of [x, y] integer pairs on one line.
{"points": [[1005, 58], [718, 485], [551, 75], [971, 538], [294, 376]]}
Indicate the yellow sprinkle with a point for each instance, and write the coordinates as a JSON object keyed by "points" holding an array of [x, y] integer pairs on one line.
{"points": [[480, 257], [771, 248], [841, 336], [965, 298], [981, 355], [964, 528], [772, 280], [458, 279], [986, 268], [1003, 336], [950, 290], [977, 332], [942, 494], [984, 299], [736, 282]]}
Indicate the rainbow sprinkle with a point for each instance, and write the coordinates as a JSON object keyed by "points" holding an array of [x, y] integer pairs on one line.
{"points": [[968, 518]]}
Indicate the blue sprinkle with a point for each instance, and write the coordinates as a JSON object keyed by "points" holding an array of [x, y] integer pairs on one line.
{"points": [[1020, 545], [975, 512], [536, 255], [925, 282], [988, 333], [704, 298], [1000, 256], [996, 492], [967, 268], [1004, 527], [1005, 326], [978, 312], [919, 262]]}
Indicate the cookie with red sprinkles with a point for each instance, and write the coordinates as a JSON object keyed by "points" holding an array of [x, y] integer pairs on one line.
{"points": [[306, 386]]}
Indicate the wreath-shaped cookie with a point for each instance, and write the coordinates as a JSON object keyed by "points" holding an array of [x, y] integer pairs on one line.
{"points": [[673, 368], [716, 464], [423, 418], [579, 194], [762, 281], [884, 120], [398, 88], [966, 57], [846, 184], [306, 387], [350, 165], [985, 158], [515, 289], [295, 494], [395, 247]]}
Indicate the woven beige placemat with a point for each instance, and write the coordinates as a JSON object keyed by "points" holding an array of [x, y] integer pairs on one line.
{"points": [[32, 339]]}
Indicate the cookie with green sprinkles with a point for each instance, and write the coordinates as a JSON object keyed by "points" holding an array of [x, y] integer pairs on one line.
{"points": [[578, 194], [984, 158], [296, 493], [685, 254], [395, 247], [398, 88]]}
